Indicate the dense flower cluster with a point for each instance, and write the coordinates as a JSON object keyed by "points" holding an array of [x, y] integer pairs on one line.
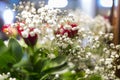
{"points": [[6, 77], [59, 45]]}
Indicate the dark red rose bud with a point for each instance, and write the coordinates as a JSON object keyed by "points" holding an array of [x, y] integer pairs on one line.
{"points": [[71, 33], [31, 40], [74, 32]]}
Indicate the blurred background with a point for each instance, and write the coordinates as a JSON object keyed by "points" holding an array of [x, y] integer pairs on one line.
{"points": [[90, 7]]}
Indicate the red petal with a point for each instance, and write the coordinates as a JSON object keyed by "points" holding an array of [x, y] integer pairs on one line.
{"points": [[31, 40]]}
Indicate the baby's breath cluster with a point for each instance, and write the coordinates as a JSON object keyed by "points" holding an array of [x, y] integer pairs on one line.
{"points": [[39, 19], [6, 77], [85, 41]]}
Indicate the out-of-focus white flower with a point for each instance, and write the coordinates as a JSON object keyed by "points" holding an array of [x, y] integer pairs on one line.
{"points": [[4, 76], [24, 34], [32, 34], [12, 78], [117, 47]]}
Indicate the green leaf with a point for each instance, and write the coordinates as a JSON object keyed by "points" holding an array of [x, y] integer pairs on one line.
{"points": [[2, 43], [15, 49], [53, 70], [56, 65], [80, 73], [41, 62], [59, 60], [23, 62], [2, 46], [95, 77], [42, 51], [68, 76], [6, 60]]}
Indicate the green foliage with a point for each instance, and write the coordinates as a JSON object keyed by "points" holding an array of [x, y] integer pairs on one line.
{"points": [[15, 49], [51, 66], [6, 59], [23, 65], [35, 64], [95, 77], [78, 75]]}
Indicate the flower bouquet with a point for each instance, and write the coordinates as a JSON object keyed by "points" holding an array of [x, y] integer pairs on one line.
{"points": [[50, 44]]}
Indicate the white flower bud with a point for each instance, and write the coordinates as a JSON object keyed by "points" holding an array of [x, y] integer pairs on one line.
{"points": [[32, 34], [24, 34], [117, 47], [37, 31], [68, 27]]}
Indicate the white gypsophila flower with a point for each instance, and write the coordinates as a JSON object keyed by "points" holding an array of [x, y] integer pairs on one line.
{"points": [[22, 25], [57, 75], [12, 78], [24, 14], [106, 36], [89, 53], [31, 25], [96, 68], [33, 10], [36, 18], [51, 56], [108, 61], [105, 49], [111, 36], [87, 71], [61, 30], [112, 45], [118, 67], [28, 21], [49, 30], [37, 31], [113, 53], [117, 47], [29, 15], [102, 60], [4, 76], [73, 71], [109, 66], [27, 30], [58, 35], [27, 7], [116, 55], [84, 35], [32, 33], [68, 27], [65, 35], [25, 34], [75, 28], [70, 64], [50, 37], [49, 21], [96, 38], [64, 45]]}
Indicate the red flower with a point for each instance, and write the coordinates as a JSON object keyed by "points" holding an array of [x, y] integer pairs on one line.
{"points": [[8, 30], [19, 29], [70, 32], [30, 40]]}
